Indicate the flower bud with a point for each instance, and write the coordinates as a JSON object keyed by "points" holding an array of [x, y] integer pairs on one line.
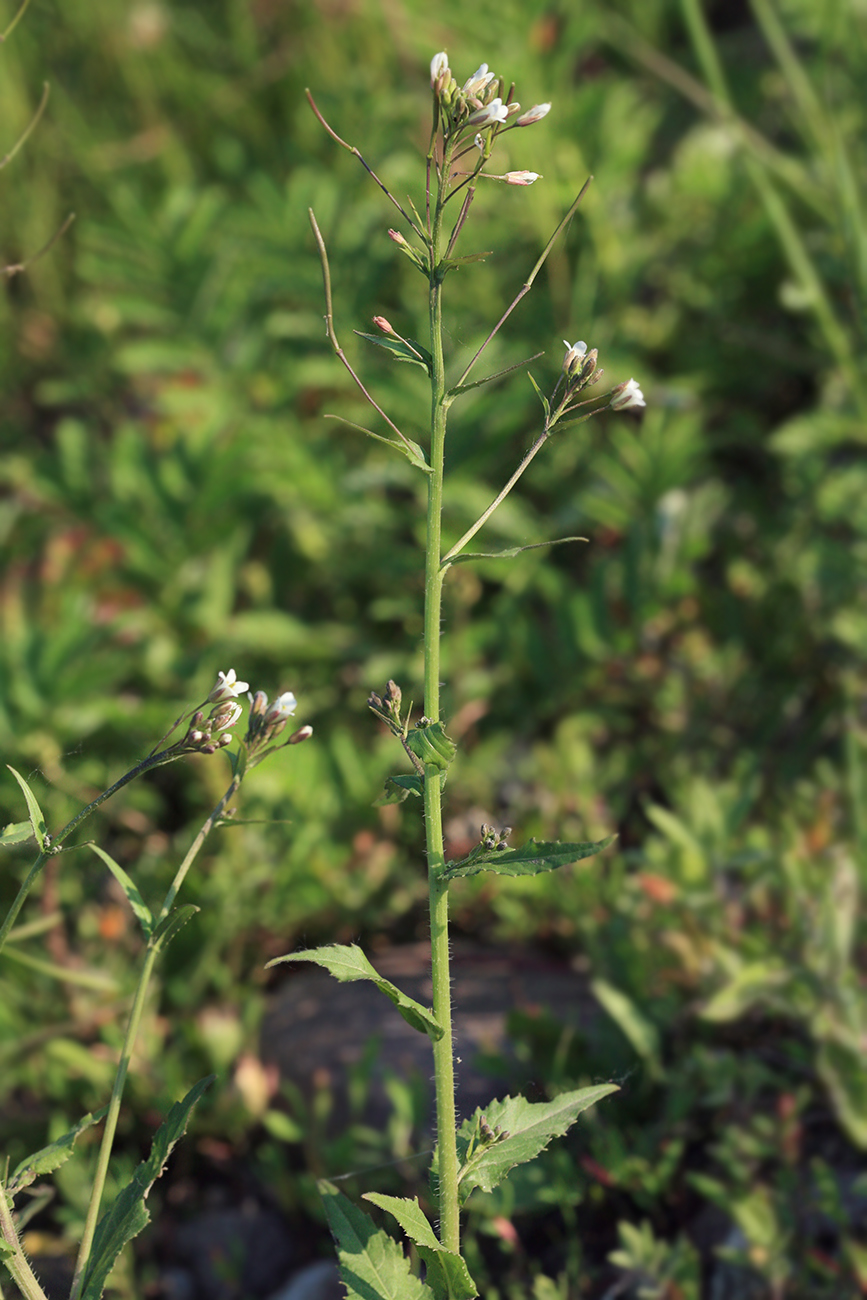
{"points": [[574, 357], [521, 178], [393, 693], [225, 715], [438, 65], [534, 114], [298, 737], [494, 112], [382, 324], [626, 397], [478, 82]]}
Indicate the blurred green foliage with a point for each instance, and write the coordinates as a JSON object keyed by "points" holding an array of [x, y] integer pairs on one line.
{"points": [[173, 502]]}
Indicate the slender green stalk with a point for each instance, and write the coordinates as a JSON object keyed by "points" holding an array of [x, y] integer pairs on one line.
{"points": [[153, 949], [17, 1262], [439, 906]]}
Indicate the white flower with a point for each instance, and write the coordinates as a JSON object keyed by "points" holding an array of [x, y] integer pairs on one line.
{"points": [[478, 81], [227, 687], [626, 396], [228, 716], [574, 356], [521, 178], [534, 114], [438, 65], [282, 708], [496, 111]]}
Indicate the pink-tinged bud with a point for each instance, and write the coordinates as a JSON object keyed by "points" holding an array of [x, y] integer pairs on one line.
{"points": [[438, 65], [382, 324], [302, 734], [521, 178], [496, 111], [396, 236], [534, 114], [626, 397]]}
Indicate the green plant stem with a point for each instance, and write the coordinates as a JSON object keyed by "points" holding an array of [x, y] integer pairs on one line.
{"points": [[17, 1263], [154, 760], [154, 945], [439, 907]]}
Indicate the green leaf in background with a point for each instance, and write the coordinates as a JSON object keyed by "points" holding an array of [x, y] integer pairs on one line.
{"points": [[128, 1215], [841, 1068], [533, 857], [398, 788], [636, 1028], [372, 1266], [139, 906], [755, 982], [525, 1129], [37, 821], [16, 833], [51, 1157], [401, 349], [447, 1273], [347, 963]]}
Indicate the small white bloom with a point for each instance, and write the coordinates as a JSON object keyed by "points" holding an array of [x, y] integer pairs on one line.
{"points": [[521, 178], [438, 65], [626, 397], [283, 707], [228, 716], [227, 687], [496, 111], [575, 353], [478, 81], [534, 114]]}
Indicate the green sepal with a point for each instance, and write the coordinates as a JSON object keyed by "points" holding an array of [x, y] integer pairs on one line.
{"points": [[140, 908], [16, 833], [429, 742], [49, 1158], [401, 349], [372, 1265], [37, 821], [398, 788], [447, 1274], [542, 398], [489, 379], [522, 1129], [128, 1214], [347, 963], [512, 551], [533, 857]]}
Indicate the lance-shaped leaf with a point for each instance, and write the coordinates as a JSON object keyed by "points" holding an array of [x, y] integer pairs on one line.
{"points": [[533, 857], [542, 398], [511, 551], [447, 1274], [128, 1215], [16, 833], [51, 1157], [515, 1131], [139, 906], [413, 452], [372, 1266], [451, 263], [37, 821], [489, 379], [398, 788], [401, 349], [171, 924], [347, 963]]}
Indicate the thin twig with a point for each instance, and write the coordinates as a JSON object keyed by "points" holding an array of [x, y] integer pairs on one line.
{"points": [[528, 283], [46, 91], [332, 336], [17, 268], [462, 216], [15, 21], [498, 500], [352, 149]]}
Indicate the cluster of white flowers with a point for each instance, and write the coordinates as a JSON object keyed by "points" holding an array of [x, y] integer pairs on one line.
{"points": [[479, 103]]}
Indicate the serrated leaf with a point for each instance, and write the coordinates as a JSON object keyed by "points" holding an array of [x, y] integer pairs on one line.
{"points": [[16, 833], [489, 379], [347, 963], [398, 788], [401, 349], [413, 452], [447, 1273], [134, 898], [512, 550], [128, 1215], [169, 926], [51, 1157], [372, 1265], [533, 857], [37, 821], [542, 398], [530, 1126]]}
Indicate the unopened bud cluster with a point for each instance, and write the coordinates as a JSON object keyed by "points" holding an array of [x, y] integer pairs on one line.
{"points": [[387, 707], [482, 102], [494, 839]]}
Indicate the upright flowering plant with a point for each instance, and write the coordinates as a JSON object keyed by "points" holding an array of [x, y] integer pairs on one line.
{"points": [[467, 121]]}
